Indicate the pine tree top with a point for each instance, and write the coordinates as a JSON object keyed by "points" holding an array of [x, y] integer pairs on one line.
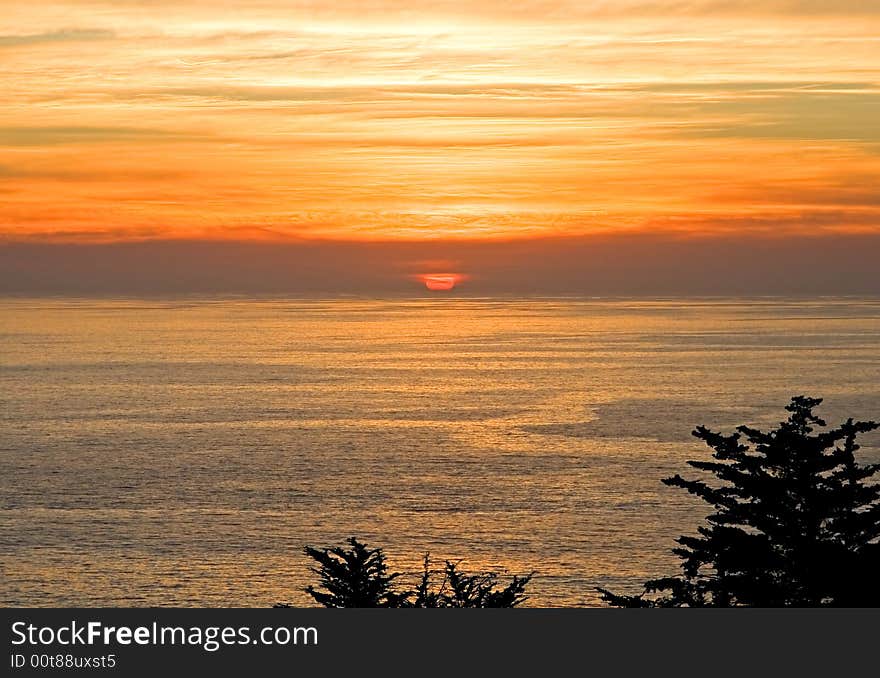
{"points": [[795, 515]]}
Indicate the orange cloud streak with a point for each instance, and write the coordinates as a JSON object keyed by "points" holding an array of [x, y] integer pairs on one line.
{"points": [[437, 121]]}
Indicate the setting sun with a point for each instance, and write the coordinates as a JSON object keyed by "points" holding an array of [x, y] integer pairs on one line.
{"points": [[438, 282]]}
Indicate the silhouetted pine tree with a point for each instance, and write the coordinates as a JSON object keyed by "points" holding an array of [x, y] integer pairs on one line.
{"points": [[355, 577], [795, 523]]}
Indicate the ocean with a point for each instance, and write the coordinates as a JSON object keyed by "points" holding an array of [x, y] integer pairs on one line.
{"points": [[182, 452]]}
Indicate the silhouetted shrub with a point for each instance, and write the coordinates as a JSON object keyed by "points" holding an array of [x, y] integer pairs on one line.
{"points": [[459, 589], [358, 577], [795, 522]]}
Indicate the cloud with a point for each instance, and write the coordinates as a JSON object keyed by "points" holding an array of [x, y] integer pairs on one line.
{"points": [[800, 223], [744, 7], [361, 93], [849, 114], [54, 135], [64, 35], [547, 10], [50, 173], [440, 120]]}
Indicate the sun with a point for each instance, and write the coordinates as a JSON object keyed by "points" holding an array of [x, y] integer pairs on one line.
{"points": [[441, 282]]}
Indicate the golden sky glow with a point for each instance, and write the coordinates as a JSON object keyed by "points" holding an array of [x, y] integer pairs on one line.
{"points": [[406, 120]]}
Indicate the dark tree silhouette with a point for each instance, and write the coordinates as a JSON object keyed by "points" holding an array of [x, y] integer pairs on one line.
{"points": [[355, 577], [459, 589], [358, 577], [480, 590], [795, 523]]}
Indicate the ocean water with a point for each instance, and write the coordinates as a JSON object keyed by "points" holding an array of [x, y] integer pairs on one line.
{"points": [[182, 452]]}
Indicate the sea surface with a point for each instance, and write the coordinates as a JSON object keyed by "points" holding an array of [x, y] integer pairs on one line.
{"points": [[182, 452]]}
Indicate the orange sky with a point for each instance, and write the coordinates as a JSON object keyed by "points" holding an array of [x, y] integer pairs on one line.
{"points": [[386, 120]]}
